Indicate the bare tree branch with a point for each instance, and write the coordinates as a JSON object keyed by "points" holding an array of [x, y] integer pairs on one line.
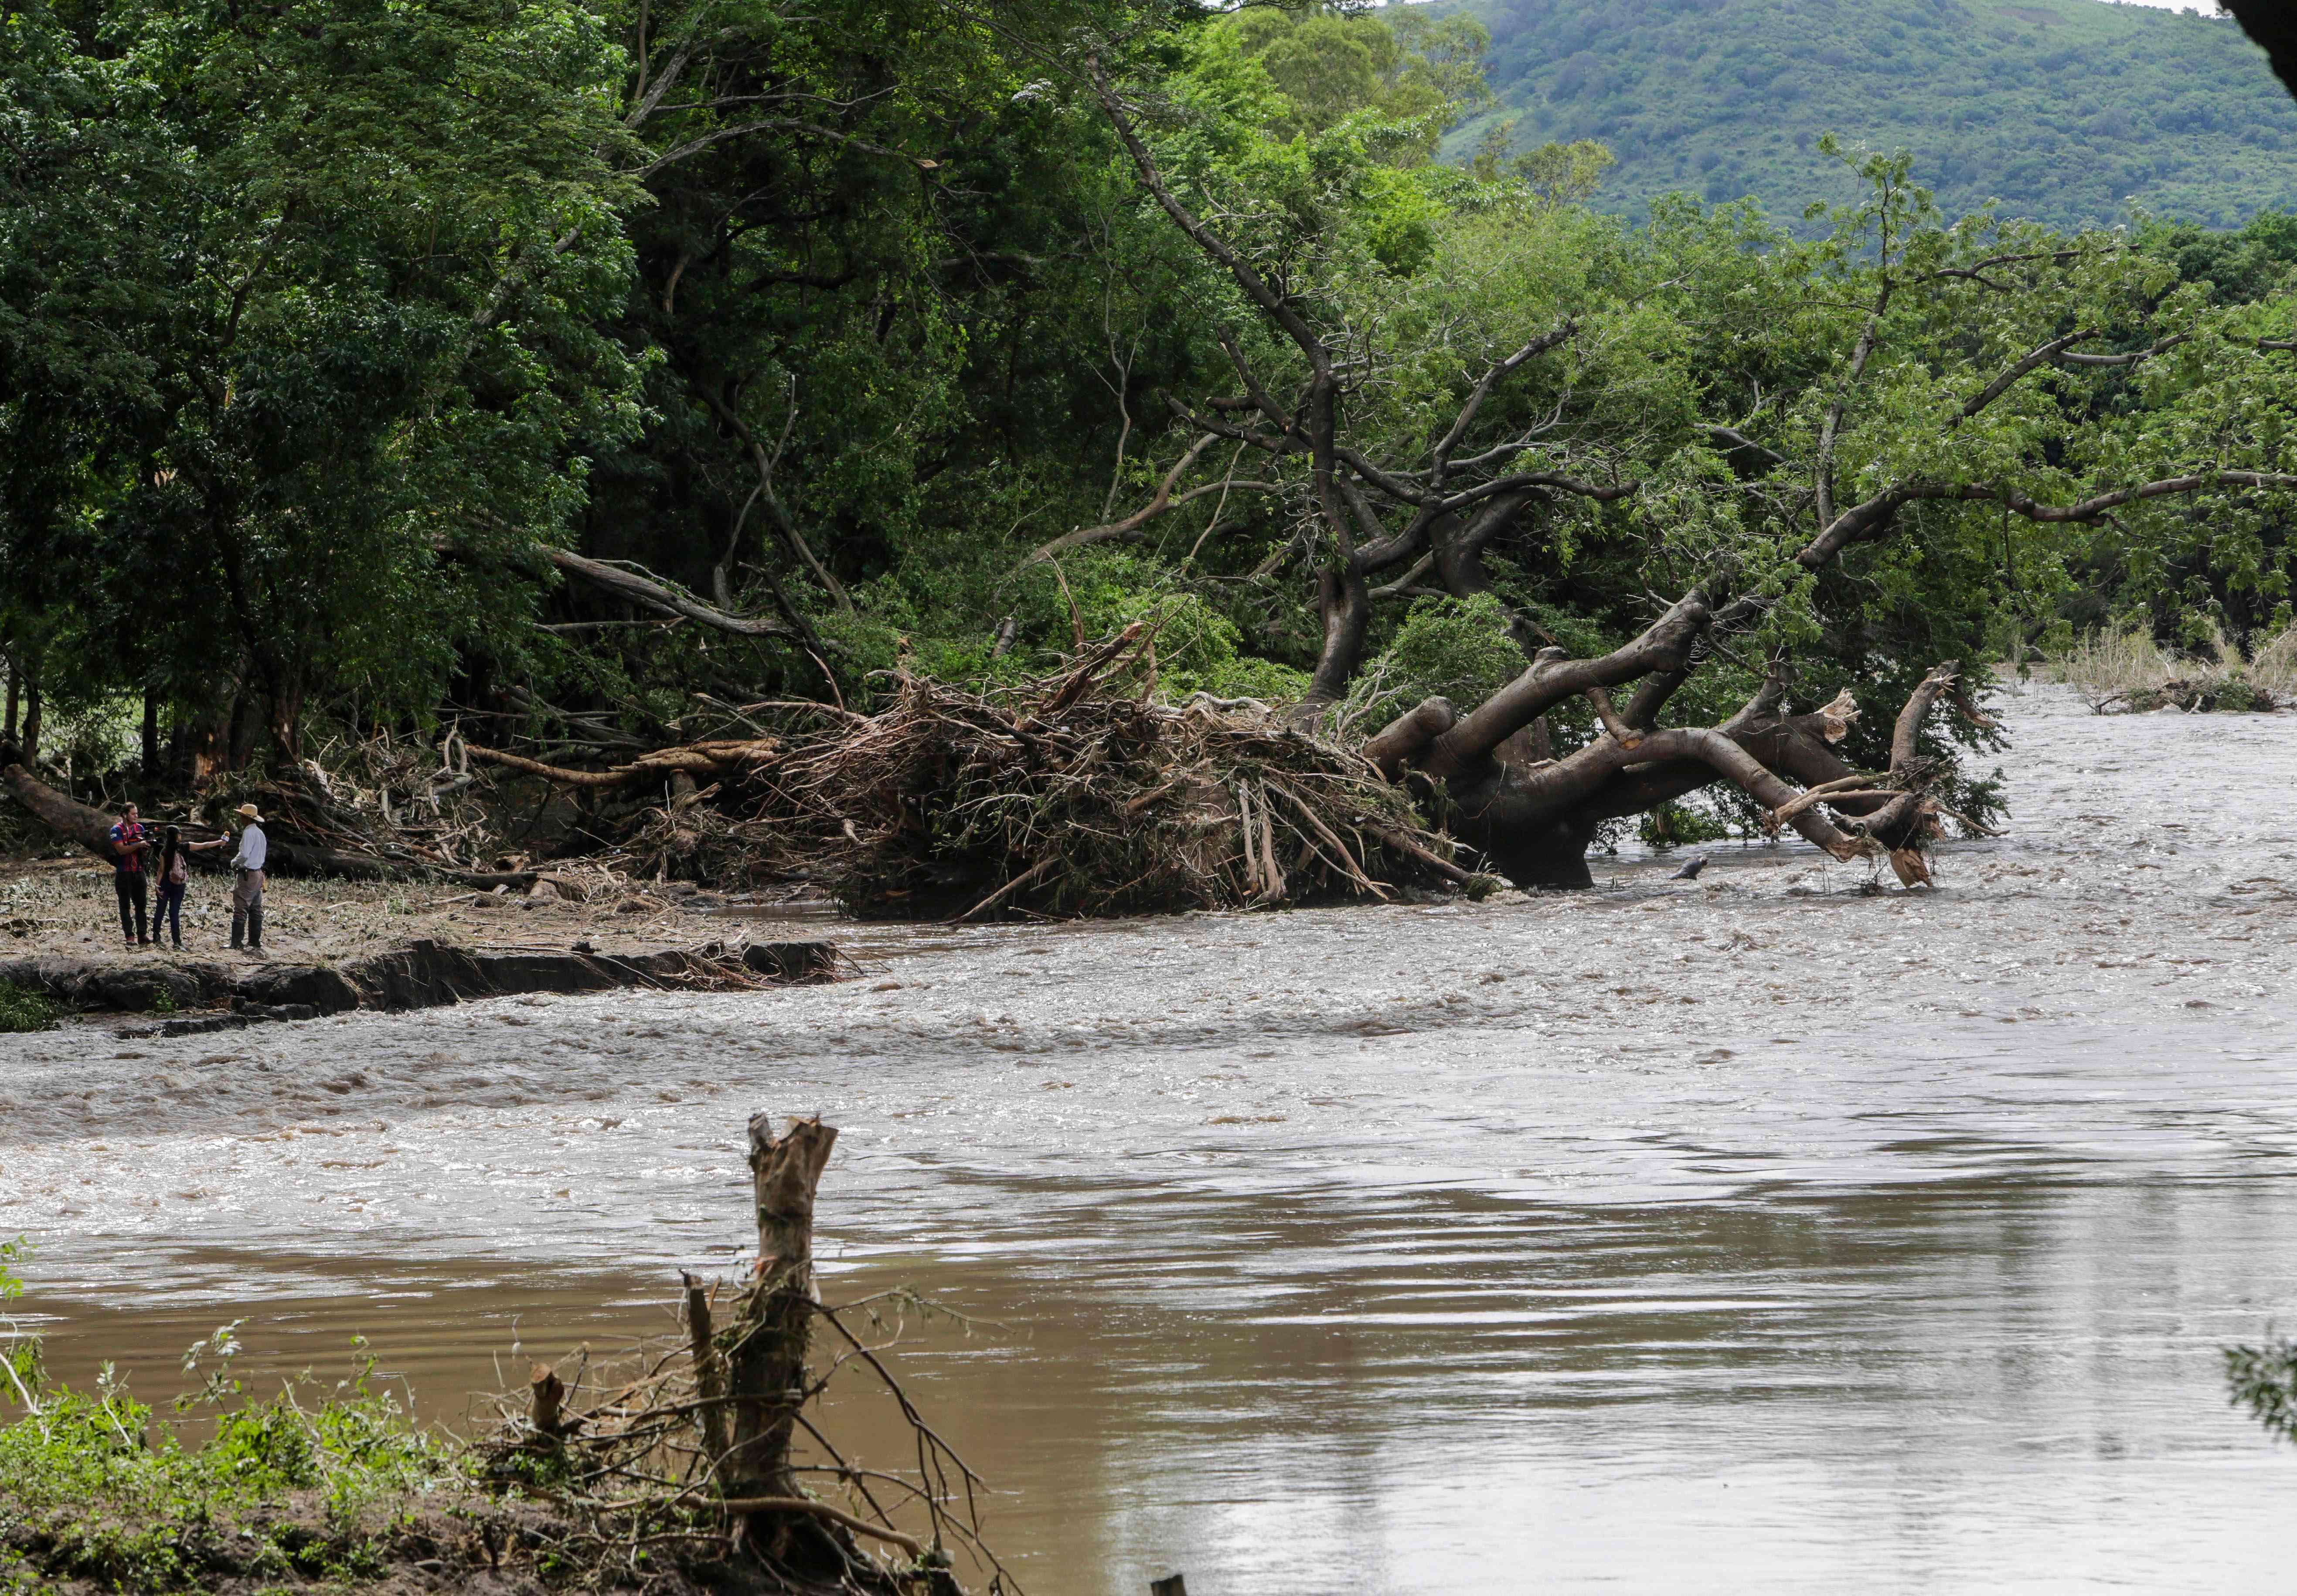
{"points": [[659, 595]]}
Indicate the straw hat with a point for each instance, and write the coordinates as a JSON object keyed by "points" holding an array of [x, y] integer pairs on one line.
{"points": [[246, 812]]}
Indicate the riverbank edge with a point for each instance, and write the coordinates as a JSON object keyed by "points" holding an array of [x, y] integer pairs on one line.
{"points": [[426, 973], [379, 1508]]}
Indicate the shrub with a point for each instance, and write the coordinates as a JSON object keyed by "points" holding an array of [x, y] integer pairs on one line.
{"points": [[2263, 1379], [2237, 695], [23, 1009], [1673, 825]]}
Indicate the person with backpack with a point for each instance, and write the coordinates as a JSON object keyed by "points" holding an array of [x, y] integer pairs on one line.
{"points": [[172, 874]]}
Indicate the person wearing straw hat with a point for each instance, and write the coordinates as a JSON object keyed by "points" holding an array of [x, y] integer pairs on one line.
{"points": [[247, 881]]}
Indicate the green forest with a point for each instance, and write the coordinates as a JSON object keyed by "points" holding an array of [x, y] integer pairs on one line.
{"points": [[2066, 111], [583, 380]]}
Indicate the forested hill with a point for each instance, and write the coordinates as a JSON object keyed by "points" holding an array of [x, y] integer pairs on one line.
{"points": [[2069, 111]]}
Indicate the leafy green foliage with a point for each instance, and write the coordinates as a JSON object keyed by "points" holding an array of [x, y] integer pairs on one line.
{"points": [[306, 1490], [2068, 111], [2241, 265], [1445, 647], [133, 1508], [304, 300], [1326, 65], [19, 1350], [2263, 1379], [24, 1009]]}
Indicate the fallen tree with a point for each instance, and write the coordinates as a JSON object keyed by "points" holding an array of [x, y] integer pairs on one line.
{"points": [[288, 855], [1945, 367], [1533, 822]]}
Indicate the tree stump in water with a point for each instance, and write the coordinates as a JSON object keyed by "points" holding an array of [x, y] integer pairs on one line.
{"points": [[765, 1350], [550, 1395], [709, 1371]]}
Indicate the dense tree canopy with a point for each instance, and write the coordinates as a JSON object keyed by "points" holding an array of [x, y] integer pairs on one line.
{"points": [[302, 315], [583, 371]]}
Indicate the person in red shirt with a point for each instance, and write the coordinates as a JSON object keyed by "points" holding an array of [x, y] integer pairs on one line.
{"points": [[128, 851]]}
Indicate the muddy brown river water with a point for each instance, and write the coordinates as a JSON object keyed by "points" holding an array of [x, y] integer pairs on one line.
{"points": [[1742, 1235]]}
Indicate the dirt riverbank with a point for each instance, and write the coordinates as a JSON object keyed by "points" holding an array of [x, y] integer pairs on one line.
{"points": [[359, 946], [66, 906]]}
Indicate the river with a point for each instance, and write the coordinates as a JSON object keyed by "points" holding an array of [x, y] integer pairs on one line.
{"points": [[1752, 1234]]}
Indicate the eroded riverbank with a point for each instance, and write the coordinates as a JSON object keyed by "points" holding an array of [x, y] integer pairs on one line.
{"points": [[1805, 1239]]}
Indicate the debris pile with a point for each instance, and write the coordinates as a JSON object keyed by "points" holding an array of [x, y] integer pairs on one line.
{"points": [[1076, 794]]}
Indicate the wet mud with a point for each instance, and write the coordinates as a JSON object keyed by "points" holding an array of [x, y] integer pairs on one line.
{"points": [[1750, 1226]]}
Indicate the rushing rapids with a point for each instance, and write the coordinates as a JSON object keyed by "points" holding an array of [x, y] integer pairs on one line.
{"points": [[1832, 1240]]}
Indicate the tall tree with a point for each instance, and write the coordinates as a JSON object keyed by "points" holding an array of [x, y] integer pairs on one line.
{"points": [[301, 309]]}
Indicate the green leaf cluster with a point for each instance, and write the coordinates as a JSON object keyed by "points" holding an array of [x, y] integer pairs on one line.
{"points": [[305, 1493], [24, 1009]]}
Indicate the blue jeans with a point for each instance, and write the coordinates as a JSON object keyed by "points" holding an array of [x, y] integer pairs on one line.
{"points": [[170, 909]]}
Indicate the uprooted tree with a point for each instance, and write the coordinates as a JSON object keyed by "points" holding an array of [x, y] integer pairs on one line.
{"points": [[1840, 458]]}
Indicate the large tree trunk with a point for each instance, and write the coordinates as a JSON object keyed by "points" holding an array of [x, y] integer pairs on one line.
{"points": [[151, 735], [1534, 823], [90, 828], [1534, 820], [245, 728]]}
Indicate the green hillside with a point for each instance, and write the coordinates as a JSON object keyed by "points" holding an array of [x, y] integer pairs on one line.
{"points": [[2069, 111]]}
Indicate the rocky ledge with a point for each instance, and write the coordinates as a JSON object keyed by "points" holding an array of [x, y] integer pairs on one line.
{"points": [[422, 974]]}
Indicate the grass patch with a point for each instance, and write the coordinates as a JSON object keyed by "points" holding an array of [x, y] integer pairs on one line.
{"points": [[24, 1009], [2125, 671], [279, 1490]]}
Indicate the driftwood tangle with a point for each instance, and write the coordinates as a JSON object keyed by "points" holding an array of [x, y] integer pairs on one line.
{"points": [[713, 1445], [1075, 795], [291, 854]]}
